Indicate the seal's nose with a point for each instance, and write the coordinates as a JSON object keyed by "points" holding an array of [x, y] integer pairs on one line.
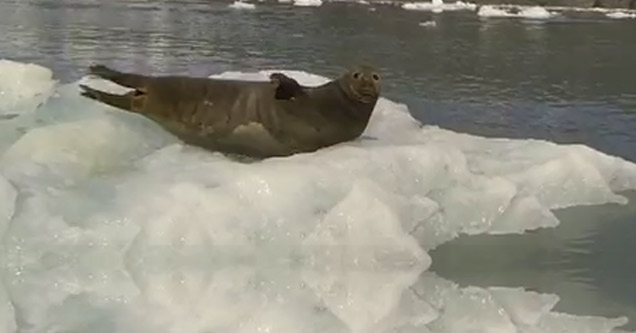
{"points": [[368, 85]]}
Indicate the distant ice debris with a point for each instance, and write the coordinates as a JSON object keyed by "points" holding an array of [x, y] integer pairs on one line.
{"points": [[621, 15], [493, 11], [438, 6], [533, 12], [583, 9], [308, 3], [242, 5], [428, 24]]}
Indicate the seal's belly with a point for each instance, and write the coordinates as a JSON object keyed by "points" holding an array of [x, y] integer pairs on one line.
{"points": [[244, 120], [254, 139], [239, 125]]}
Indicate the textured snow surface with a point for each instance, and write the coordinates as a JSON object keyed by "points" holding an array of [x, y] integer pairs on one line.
{"points": [[110, 224]]}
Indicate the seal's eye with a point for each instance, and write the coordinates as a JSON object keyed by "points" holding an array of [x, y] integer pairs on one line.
{"points": [[375, 77], [356, 75]]}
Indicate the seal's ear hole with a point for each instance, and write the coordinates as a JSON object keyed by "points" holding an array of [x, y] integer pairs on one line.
{"points": [[356, 75], [375, 77]]}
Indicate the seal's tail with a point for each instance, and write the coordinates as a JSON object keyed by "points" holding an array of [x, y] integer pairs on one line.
{"points": [[119, 101], [124, 79]]}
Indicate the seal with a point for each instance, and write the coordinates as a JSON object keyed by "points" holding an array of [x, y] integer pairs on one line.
{"points": [[257, 119]]}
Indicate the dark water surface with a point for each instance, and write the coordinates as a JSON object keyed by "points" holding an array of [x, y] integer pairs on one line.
{"points": [[566, 80]]}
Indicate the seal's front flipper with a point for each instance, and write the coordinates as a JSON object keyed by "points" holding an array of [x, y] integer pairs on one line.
{"points": [[124, 102], [286, 87], [124, 79]]}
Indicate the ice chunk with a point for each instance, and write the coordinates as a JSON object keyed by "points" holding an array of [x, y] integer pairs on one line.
{"points": [[621, 14], [23, 86], [67, 152], [568, 174], [531, 12], [8, 196], [308, 3], [524, 307], [560, 322], [496, 309], [233, 298], [493, 11], [290, 318], [473, 310], [536, 12], [118, 218], [428, 24], [438, 6], [362, 299], [526, 212], [411, 314], [242, 5], [363, 231], [474, 206], [7, 312]]}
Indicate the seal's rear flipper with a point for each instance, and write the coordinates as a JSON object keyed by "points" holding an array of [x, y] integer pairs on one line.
{"points": [[286, 87], [123, 79], [119, 101]]}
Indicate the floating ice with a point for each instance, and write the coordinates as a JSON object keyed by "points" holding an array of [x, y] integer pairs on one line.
{"points": [[308, 3], [510, 10], [428, 24], [23, 87], [242, 5], [621, 15], [504, 310], [360, 2], [493, 11], [111, 225], [438, 6], [7, 312], [534, 12]]}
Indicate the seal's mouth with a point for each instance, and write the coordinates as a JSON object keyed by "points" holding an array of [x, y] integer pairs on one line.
{"points": [[366, 94]]}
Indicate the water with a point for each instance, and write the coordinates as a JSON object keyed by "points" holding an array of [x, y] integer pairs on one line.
{"points": [[566, 80]]}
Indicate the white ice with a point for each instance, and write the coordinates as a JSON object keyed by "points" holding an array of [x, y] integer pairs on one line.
{"points": [[17, 95], [621, 14], [438, 6], [578, 9], [308, 3], [110, 224], [532, 12], [428, 24], [242, 5]]}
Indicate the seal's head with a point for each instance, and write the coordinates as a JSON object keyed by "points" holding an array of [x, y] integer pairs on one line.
{"points": [[361, 83]]}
